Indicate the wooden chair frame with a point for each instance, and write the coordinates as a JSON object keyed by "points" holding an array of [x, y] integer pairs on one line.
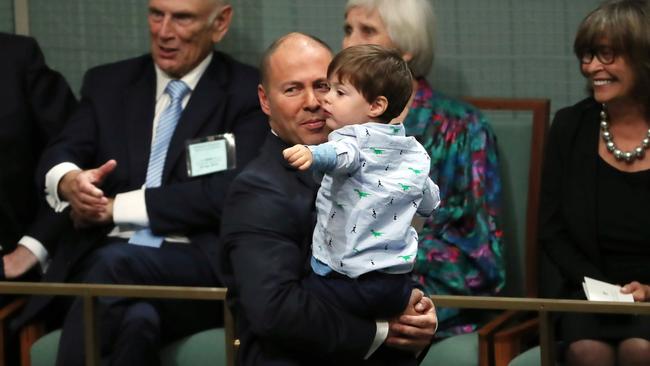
{"points": [[540, 109]]}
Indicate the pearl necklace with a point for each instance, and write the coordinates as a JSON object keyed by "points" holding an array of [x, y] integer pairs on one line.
{"points": [[628, 156]]}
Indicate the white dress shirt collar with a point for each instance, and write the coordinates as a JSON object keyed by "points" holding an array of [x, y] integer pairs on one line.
{"points": [[191, 78]]}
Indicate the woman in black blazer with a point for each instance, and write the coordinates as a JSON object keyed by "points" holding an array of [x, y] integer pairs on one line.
{"points": [[596, 183]]}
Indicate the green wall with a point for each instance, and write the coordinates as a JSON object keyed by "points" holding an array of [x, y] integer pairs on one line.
{"points": [[6, 16], [505, 48]]}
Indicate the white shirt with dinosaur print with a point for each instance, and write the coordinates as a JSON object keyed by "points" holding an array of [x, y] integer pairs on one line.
{"points": [[375, 179]]}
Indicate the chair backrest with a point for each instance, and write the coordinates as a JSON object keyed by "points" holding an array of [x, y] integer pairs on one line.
{"points": [[520, 126]]}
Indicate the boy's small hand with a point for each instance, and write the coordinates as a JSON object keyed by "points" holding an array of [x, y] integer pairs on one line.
{"points": [[299, 156]]}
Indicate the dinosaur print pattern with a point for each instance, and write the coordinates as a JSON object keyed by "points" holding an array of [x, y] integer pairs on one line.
{"points": [[365, 203]]}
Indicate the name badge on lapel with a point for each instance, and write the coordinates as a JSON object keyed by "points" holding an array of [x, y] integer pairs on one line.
{"points": [[210, 154]]}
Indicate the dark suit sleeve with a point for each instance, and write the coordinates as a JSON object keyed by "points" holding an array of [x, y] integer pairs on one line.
{"points": [[50, 103], [554, 235], [50, 99], [48, 226], [264, 245], [76, 143], [197, 203]]}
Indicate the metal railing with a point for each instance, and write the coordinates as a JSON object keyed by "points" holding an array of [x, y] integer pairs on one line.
{"points": [[544, 307], [90, 292]]}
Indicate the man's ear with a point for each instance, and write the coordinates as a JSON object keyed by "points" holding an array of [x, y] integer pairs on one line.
{"points": [[378, 107], [221, 23], [264, 100]]}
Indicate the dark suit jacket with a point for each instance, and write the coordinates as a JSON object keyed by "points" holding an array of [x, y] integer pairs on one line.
{"points": [[567, 231], [266, 240], [36, 102], [114, 121]]}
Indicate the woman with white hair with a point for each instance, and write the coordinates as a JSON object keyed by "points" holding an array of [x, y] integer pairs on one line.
{"points": [[460, 249]]}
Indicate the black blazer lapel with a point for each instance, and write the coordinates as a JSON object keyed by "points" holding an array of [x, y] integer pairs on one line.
{"points": [[207, 97], [140, 102]]}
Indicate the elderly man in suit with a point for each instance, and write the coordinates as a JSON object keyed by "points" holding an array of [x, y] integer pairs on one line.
{"points": [[267, 236], [36, 102], [144, 184]]}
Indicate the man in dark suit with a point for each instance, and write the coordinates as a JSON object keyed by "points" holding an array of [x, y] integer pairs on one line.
{"points": [[266, 237], [143, 217], [36, 102]]}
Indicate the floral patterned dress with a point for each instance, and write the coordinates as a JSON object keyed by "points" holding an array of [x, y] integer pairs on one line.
{"points": [[461, 246]]}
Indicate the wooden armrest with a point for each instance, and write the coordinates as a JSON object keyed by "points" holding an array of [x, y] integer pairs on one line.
{"points": [[497, 322], [12, 307], [507, 343], [486, 332]]}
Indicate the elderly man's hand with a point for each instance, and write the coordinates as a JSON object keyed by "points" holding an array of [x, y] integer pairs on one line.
{"points": [[105, 216], [414, 329], [80, 189]]}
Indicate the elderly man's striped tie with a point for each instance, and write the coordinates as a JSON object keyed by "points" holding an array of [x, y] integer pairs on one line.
{"points": [[164, 132]]}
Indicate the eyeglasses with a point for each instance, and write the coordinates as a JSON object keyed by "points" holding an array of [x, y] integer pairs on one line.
{"points": [[606, 55]]}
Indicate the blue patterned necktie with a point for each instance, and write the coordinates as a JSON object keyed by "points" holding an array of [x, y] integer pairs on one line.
{"points": [[164, 131]]}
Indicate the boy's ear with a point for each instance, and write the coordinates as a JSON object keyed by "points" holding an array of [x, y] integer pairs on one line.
{"points": [[378, 107]]}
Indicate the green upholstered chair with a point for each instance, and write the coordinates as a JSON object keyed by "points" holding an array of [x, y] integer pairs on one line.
{"points": [[530, 357], [446, 352], [43, 351], [203, 348], [520, 126]]}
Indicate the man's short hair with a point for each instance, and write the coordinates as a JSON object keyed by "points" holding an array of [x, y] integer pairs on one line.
{"points": [[266, 56], [375, 71]]}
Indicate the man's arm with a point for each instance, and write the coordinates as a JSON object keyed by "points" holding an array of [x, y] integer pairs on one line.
{"points": [[266, 237], [33, 248], [51, 100], [75, 146]]}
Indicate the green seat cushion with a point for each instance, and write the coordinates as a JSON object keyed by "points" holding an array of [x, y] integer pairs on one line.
{"points": [[43, 351], [460, 350], [531, 357], [203, 348]]}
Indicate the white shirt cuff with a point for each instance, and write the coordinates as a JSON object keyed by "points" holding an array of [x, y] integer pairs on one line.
{"points": [[130, 208], [436, 328], [37, 249], [52, 179], [380, 337]]}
